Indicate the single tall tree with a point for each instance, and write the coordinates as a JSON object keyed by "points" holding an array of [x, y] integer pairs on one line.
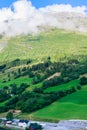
{"points": [[9, 116]]}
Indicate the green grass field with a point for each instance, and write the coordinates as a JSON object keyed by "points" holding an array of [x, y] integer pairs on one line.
{"points": [[73, 106], [56, 43], [17, 81], [34, 86], [65, 86]]}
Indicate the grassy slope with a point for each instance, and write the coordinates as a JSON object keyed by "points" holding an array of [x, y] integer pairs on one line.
{"points": [[16, 81], [66, 86], [56, 43], [73, 106]]}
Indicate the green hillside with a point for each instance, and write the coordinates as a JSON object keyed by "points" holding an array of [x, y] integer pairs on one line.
{"points": [[73, 106], [45, 76], [63, 86], [57, 44]]}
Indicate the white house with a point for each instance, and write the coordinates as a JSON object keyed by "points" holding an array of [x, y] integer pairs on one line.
{"points": [[24, 123]]}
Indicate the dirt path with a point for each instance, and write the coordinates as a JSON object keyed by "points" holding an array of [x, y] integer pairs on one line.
{"points": [[54, 75]]}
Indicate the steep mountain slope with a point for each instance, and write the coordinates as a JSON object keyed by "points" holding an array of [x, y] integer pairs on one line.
{"points": [[57, 44], [44, 72]]}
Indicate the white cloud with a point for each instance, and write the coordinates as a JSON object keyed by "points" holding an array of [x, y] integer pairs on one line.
{"points": [[5, 14], [63, 8], [24, 18], [23, 9]]}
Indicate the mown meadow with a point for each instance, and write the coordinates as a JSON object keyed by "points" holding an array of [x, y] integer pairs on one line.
{"points": [[73, 106]]}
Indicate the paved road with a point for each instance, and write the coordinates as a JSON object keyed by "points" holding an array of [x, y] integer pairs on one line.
{"points": [[65, 125], [68, 125], [62, 125], [16, 127]]}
